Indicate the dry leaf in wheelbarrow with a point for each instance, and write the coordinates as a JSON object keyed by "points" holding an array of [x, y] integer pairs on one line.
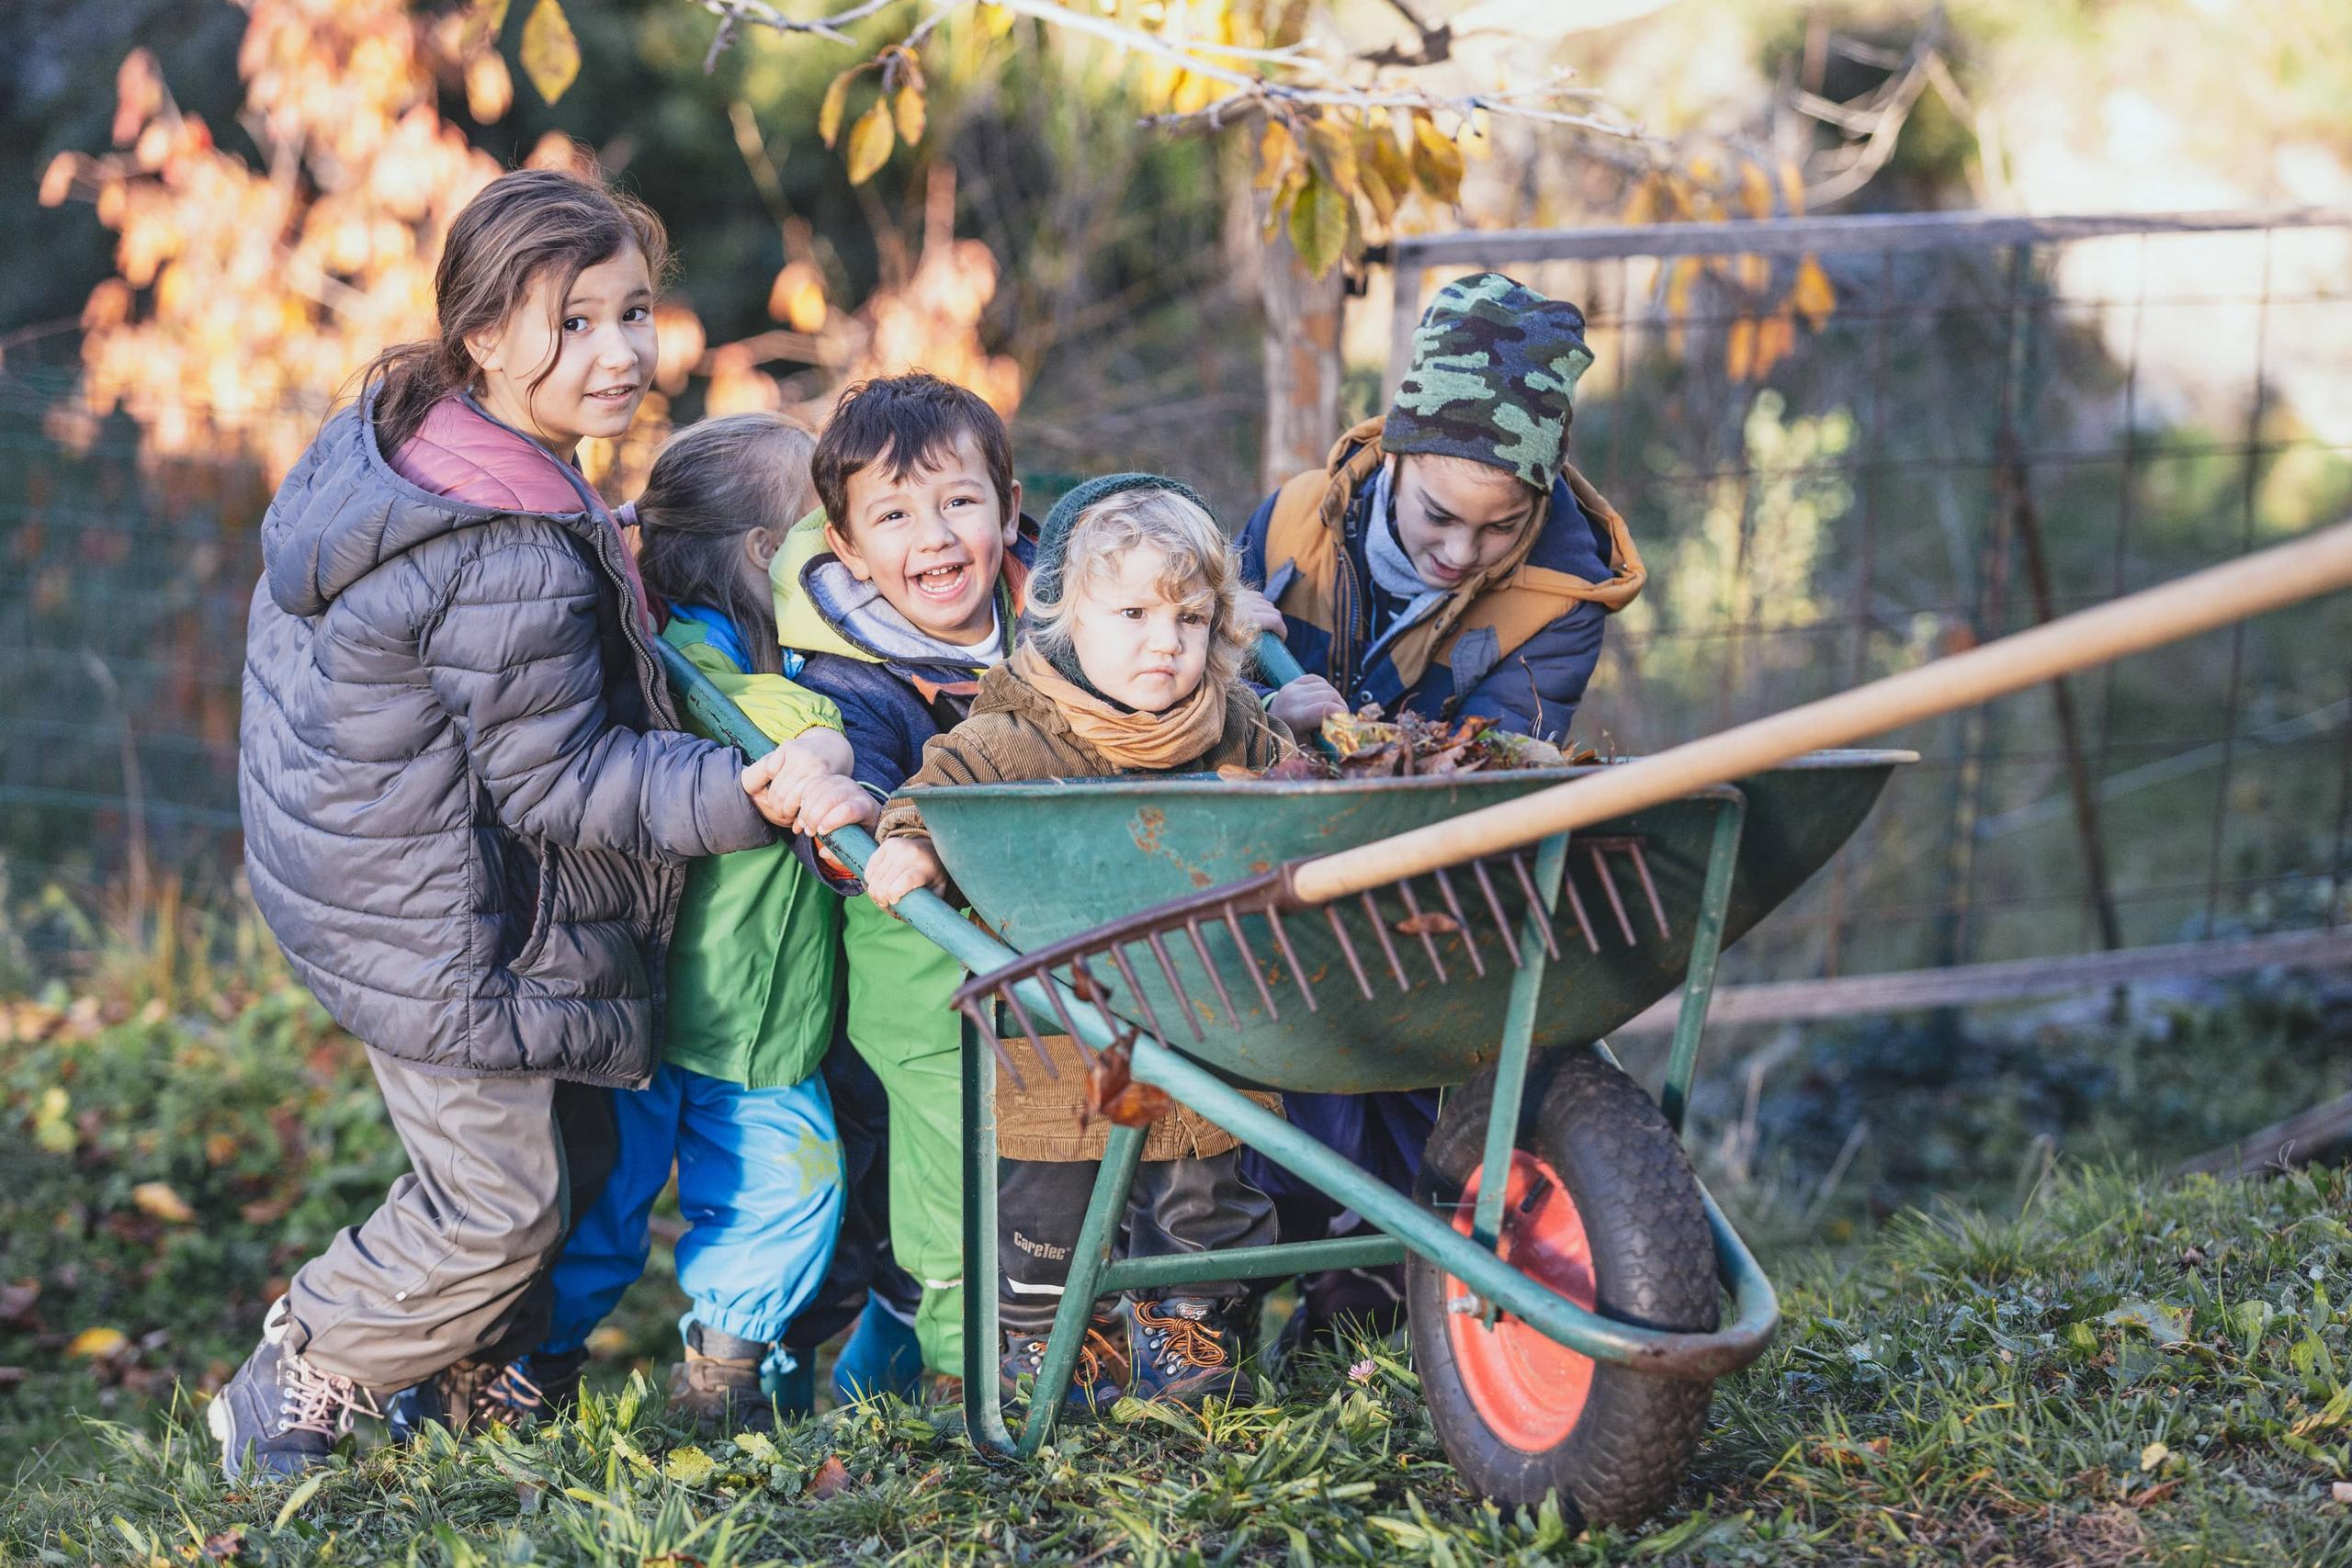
{"points": [[1113, 1093]]}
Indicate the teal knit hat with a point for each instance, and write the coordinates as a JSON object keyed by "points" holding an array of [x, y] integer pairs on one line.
{"points": [[1494, 367], [1053, 538]]}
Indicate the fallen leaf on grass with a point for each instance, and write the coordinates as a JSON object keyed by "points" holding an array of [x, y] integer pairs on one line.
{"points": [[159, 1201], [1430, 922], [96, 1344], [2161, 1323], [833, 1479], [224, 1546], [689, 1466]]}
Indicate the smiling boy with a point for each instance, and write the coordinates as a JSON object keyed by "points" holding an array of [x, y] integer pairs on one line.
{"points": [[899, 595], [1447, 561]]}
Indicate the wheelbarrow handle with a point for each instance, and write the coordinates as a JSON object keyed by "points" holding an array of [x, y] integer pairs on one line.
{"points": [[1275, 661], [930, 914], [2267, 580]]}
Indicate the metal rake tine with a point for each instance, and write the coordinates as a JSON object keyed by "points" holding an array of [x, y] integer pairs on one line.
{"points": [[981, 1021], [1469, 936], [1494, 905], [1175, 986], [1209, 965], [1616, 900], [1126, 972], [1054, 995], [1289, 955], [1028, 1029], [1575, 907], [1363, 981], [1420, 927], [1380, 930], [1535, 901], [1257, 976], [1649, 888]]}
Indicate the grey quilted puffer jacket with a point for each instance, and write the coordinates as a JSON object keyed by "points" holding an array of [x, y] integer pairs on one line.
{"points": [[463, 819]]}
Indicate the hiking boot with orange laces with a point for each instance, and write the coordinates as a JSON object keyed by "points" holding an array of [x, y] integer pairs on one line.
{"points": [[280, 1414], [1094, 1385], [1186, 1349]]}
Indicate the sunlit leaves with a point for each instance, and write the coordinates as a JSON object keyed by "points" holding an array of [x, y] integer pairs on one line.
{"points": [[1437, 162], [897, 113], [907, 112], [836, 103], [798, 297], [1318, 223], [550, 53], [1758, 302], [1331, 174], [870, 141], [490, 91]]}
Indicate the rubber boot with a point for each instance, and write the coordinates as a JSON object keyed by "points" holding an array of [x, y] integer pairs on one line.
{"points": [[881, 1356]]}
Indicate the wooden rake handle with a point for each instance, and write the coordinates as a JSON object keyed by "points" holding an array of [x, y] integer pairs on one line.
{"points": [[2267, 580]]}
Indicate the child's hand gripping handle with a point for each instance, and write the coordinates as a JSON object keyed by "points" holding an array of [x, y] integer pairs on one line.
{"points": [[926, 911], [1278, 668]]}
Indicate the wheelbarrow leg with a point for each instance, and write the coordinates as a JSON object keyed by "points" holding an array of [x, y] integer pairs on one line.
{"points": [[983, 1404], [983, 1401], [1519, 1030], [1706, 947], [1088, 1260]]}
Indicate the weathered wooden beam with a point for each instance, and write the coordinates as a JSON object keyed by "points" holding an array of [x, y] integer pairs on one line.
{"points": [[1917, 990]]}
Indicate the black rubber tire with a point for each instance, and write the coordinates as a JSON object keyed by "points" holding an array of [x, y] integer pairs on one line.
{"points": [[1654, 1265]]}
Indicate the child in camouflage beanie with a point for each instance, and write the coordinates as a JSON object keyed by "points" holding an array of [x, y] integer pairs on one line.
{"points": [[1448, 561]]}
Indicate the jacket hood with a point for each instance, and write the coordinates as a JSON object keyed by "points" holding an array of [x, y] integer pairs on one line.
{"points": [[345, 510], [822, 607]]}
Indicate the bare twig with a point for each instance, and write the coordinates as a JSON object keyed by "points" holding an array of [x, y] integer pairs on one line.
{"points": [[1255, 92], [759, 13]]}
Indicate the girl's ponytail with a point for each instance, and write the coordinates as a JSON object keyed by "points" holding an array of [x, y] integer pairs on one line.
{"points": [[712, 483], [521, 225]]}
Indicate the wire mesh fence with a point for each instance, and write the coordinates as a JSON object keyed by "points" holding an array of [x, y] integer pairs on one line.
{"points": [[1983, 423], [1989, 422]]}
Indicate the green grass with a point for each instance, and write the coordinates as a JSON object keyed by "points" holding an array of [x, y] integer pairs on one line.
{"points": [[2100, 1369], [2119, 1375]]}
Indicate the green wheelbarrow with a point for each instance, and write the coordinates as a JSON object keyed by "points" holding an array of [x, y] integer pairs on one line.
{"points": [[1566, 1269]]}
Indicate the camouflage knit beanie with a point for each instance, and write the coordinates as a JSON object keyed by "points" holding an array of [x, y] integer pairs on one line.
{"points": [[1494, 367], [1053, 535]]}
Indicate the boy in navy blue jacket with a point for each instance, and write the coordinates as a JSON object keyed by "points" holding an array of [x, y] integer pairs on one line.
{"points": [[1447, 561], [896, 597]]}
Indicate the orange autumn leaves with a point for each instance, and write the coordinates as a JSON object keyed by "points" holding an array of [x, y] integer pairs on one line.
{"points": [[1766, 303]]}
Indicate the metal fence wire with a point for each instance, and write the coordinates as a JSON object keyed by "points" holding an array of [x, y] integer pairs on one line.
{"points": [[1994, 420]]}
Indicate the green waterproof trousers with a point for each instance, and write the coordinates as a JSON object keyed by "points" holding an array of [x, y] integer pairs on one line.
{"points": [[899, 1019]]}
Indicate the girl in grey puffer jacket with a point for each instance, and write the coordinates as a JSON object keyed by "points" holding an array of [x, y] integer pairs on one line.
{"points": [[466, 804]]}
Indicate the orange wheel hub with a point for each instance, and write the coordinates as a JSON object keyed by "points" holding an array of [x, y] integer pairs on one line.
{"points": [[1528, 1389]]}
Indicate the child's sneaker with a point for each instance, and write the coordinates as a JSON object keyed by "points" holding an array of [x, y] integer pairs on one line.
{"points": [[1095, 1383], [718, 1384], [1185, 1348], [280, 1414], [530, 1387]]}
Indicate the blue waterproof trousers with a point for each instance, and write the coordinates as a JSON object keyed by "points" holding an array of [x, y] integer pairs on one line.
{"points": [[759, 1184]]}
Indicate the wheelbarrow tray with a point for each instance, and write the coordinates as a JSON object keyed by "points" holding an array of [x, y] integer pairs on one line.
{"points": [[1040, 862]]}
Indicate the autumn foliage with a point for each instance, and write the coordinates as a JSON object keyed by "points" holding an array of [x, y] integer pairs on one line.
{"points": [[247, 299]]}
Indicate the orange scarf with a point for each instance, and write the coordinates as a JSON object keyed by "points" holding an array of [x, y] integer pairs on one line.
{"points": [[1132, 742]]}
